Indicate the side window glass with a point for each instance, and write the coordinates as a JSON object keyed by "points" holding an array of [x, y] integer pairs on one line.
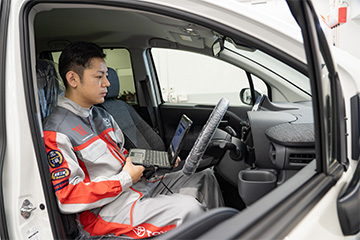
{"points": [[283, 82], [186, 77], [259, 85], [119, 60]]}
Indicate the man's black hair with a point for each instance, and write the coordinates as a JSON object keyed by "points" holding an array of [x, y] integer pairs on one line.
{"points": [[77, 57]]}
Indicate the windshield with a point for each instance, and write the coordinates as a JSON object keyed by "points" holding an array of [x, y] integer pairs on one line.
{"points": [[274, 72]]}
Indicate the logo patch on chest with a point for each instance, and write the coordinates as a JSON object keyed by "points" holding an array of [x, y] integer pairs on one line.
{"points": [[80, 130], [106, 122]]}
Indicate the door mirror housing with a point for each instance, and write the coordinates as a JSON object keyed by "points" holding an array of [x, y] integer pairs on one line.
{"points": [[246, 98]]}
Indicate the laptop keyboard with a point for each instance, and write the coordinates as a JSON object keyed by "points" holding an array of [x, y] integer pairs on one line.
{"points": [[158, 158]]}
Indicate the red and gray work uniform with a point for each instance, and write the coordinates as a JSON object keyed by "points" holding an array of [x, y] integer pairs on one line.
{"points": [[86, 157]]}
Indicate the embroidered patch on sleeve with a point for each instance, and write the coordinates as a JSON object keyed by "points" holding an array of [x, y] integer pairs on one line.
{"points": [[55, 158], [60, 173], [61, 185]]}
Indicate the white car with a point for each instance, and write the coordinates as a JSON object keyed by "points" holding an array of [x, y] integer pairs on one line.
{"points": [[286, 152]]}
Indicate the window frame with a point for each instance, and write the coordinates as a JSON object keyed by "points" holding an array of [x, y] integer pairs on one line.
{"points": [[4, 21], [316, 47]]}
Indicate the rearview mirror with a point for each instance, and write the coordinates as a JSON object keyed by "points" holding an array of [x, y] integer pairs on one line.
{"points": [[217, 47]]}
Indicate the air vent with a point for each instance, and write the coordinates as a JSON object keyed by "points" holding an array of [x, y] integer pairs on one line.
{"points": [[301, 157]]}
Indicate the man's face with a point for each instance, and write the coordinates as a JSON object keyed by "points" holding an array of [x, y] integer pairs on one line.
{"points": [[93, 87]]}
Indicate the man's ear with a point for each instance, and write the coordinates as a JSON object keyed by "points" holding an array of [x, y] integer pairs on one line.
{"points": [[72, 78]]}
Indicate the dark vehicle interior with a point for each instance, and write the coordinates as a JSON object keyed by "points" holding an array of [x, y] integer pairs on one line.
{"points": [[257, 146]]}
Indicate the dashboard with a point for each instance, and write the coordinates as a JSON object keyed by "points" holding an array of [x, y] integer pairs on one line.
{"points": [[282, 133]]}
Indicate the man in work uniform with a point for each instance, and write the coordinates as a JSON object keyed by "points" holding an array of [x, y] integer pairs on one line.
{"points": [[90, 172]]}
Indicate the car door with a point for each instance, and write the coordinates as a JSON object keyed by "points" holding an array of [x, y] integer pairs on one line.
{"points": [[4, 14], [25, 202], [330, 114], [275, 215]]}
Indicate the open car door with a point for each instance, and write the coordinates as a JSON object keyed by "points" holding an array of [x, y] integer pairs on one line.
{"points": [[329, 112], [4, 16], [276, 214]]}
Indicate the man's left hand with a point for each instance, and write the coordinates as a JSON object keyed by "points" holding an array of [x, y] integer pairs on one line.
{"points": [[177, 162]]}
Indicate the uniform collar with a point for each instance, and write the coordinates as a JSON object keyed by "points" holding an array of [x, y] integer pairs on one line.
{"points": [[74, 107]]}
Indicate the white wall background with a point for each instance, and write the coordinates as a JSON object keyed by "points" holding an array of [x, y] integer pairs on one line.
{"points": [[345, 37], [348, 34]]}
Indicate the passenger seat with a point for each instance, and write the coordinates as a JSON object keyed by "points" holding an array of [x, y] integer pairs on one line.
{"points": [[137, 132]]}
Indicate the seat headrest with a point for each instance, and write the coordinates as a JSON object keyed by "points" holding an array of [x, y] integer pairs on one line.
{"points": [[48, 86], [114, 89]]}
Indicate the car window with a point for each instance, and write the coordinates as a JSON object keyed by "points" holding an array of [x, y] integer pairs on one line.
{"points": [[259, 85], [187, 77], [119, 60], [284, 81]]}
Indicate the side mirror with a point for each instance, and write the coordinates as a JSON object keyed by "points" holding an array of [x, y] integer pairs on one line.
{"points": [[245, 96]]}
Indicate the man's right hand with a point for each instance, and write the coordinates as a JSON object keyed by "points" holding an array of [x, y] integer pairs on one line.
{"points": [[135, 171]]}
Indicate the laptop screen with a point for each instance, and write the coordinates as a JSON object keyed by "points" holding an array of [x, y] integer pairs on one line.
{"points": [[179, 135]]}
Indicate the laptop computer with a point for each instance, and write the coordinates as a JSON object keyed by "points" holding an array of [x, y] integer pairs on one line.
{"points": [[162, 159]]}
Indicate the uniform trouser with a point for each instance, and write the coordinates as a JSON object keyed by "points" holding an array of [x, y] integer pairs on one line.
{"points": [[203, 186], [164, 205]]}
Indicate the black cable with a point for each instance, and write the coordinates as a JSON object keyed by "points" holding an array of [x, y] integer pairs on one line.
{"points": [[161, 180]]}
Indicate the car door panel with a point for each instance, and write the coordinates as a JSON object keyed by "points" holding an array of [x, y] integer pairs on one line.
{"points": [[4, 16], [348, 205]]}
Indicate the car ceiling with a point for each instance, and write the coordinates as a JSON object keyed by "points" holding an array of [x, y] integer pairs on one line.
{"points": [[55, 28]]}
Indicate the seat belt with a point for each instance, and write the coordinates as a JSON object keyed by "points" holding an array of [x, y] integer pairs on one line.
{"points": [[145, 89]]}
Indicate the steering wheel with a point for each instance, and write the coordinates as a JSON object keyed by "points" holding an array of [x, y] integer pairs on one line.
{"points": [[205, 136]]}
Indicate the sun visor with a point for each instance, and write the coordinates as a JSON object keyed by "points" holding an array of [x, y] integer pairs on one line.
{"points": [[189, 40]]}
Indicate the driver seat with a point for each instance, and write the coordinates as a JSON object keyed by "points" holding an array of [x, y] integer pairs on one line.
{"points": [[48, 89], [48, 86]]}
